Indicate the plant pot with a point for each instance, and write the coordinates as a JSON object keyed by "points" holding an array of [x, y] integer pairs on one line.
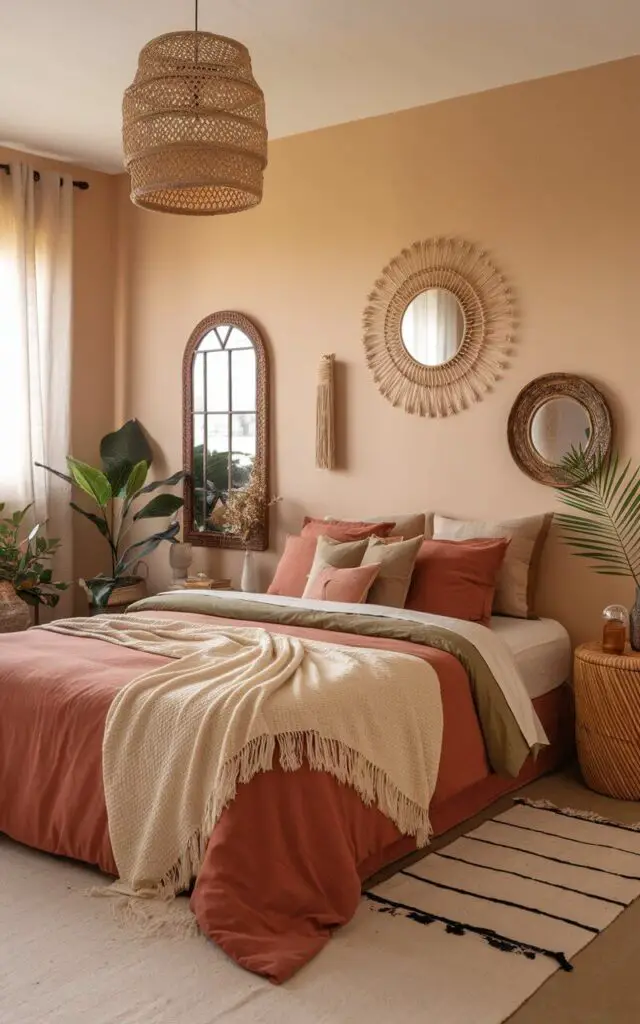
{"points": [[128, 590], [15, 615]]}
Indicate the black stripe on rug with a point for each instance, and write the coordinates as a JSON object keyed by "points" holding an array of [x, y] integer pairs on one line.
{"points": [[569, 812], [503, 903], [565, 839], [497, 941], [529, 878], [556, 860]]}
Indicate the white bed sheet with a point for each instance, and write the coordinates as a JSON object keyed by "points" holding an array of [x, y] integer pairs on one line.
{"points": [[541, 649]]}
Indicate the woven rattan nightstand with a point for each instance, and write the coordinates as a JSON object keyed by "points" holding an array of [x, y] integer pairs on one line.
{"points": [[607, 697]]}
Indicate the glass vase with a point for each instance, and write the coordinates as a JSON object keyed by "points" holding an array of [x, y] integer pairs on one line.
{"points": [[634, 623]]}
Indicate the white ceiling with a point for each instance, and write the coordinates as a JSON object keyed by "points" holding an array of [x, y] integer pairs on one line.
{"points": [[65, 63]]}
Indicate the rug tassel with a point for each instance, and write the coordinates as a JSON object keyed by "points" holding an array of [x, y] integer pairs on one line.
{"points": [[325, 415]]}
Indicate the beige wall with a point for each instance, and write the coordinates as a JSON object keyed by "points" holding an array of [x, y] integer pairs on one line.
{"points": [[544, 174], [92, 384]]}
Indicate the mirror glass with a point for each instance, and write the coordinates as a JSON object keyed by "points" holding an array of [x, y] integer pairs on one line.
{"points": [[558, 425], [432, 327], [224, 421]]}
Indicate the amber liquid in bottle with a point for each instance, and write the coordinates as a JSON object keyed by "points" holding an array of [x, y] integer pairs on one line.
{"points": [[613, 637]]}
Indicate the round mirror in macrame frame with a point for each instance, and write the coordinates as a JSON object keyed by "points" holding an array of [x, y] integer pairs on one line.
{"points": [[489, 323]]}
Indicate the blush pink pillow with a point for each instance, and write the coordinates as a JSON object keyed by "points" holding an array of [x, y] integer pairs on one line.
{"points": [[457, 578], [294, 567], [341, 529], [348, 585]]}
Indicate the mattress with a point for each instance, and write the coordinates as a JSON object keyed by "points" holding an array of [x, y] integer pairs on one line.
{"points": [[541, 649]]}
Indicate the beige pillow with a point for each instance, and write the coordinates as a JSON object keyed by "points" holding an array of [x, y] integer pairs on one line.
{"points": [[396, 562], [408, 525], [336, 554], [518, 577]]}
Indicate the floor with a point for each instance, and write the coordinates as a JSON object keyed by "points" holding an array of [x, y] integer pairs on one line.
{"points": [[604, 987]]}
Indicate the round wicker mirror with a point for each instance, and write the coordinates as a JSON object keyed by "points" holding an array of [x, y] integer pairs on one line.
{"points": [[438, 327], [552, 415]]}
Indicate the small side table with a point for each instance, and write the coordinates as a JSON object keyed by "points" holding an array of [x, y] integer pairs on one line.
{"points": [[607, 700]]}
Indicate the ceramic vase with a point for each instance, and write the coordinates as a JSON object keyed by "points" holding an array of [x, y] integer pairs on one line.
{"points": [[249, 578]]}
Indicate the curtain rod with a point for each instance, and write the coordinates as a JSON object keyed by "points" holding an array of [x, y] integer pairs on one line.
{"points": [[84, 185]]}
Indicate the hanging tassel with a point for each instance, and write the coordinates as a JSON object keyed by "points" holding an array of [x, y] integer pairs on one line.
{"points": [[325, 430]]}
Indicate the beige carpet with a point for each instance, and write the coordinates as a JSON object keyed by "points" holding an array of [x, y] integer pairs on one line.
{"points": [[62, 960]]}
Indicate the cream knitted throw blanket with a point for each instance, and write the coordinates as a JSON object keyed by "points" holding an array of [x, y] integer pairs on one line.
{"points": [[180, 738]]}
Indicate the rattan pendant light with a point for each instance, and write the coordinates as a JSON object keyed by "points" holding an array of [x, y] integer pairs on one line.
{"points": [[194, 129]]}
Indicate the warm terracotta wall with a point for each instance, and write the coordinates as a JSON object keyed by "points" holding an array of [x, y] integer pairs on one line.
{"points": [[92, 383], [544, 175]]}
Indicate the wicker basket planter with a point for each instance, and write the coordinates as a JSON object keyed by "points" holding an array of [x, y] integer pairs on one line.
{"points": [[15, 615], [607, 699], [120, 598]]}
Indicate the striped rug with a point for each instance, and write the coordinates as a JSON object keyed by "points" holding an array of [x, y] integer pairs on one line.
{"points": [[537, 881], [466, 937]]}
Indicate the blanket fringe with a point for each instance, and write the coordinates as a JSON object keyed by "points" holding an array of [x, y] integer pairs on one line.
{"points": [[572, 812], [323, 754]]}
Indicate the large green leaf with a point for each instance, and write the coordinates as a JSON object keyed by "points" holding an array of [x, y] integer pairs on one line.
{"points": [[142, 548], [136, 478], [171, 481], [607, 533], [117, 475], [90, 480], [161, 505], [63, 476], [100, 588], [98, 521], [128, 444]]}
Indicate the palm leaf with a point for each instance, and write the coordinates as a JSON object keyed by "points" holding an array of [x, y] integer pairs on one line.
{"points": [[607, 494]]}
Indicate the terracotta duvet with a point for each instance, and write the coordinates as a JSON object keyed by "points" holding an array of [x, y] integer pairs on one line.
{"points": [[285, 863]]}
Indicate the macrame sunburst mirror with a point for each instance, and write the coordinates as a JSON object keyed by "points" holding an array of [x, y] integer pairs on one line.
{"points": [[438, 327]]}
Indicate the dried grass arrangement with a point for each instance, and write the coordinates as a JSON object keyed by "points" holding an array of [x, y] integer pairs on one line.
{"points": [[245, 510]]}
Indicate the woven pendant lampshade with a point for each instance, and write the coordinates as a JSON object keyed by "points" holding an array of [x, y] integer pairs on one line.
{"points": [[194, 129]]}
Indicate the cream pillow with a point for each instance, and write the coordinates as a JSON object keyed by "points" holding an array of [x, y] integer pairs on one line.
{"points": [[336, 554], [518, 577], [408, 525], [396, 562]]}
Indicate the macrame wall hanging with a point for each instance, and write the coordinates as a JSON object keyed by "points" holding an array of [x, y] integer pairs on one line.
{"points": [[325, 415]]}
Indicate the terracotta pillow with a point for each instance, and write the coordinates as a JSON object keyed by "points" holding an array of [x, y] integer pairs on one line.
{"points": [[342, 529], [348, 585], [335, 554], [294, 567], [396, 559], [518, 576], [407, 525], [457, 578]]}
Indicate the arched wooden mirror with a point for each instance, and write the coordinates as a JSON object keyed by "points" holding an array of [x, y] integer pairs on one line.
{"points": [[225, 400]]}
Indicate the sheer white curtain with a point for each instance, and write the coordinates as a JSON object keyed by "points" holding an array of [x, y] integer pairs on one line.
{"points": [[36, 238]]}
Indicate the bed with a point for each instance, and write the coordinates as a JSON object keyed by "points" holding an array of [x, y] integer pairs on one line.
{"points": [[286, 861]]}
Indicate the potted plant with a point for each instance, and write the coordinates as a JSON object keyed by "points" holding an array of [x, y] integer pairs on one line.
{"points": [[117, 490], [606, 493], [25, 577]]}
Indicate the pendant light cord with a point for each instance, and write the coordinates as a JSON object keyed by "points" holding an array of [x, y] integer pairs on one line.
{"points": [[196, 4]]}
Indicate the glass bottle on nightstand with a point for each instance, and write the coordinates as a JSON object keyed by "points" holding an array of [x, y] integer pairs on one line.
{"points": [[615, 619]]}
